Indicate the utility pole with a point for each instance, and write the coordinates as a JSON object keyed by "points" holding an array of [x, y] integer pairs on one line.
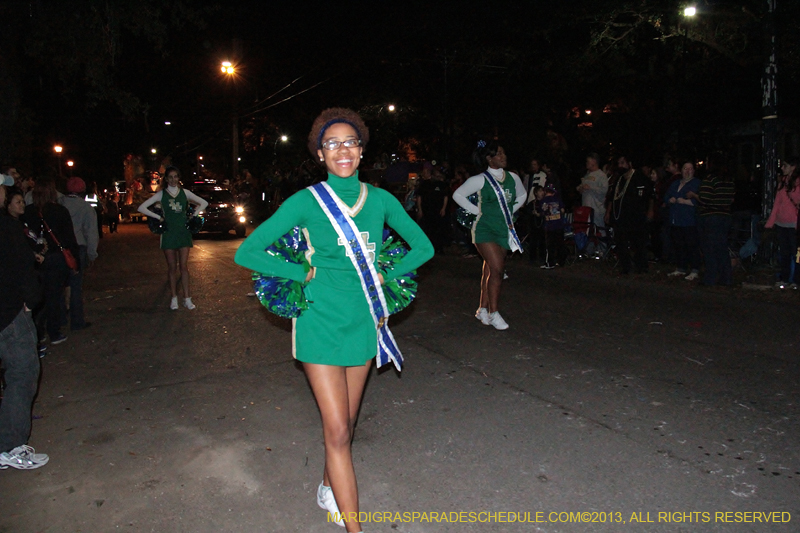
{"points": [[769, 124]]}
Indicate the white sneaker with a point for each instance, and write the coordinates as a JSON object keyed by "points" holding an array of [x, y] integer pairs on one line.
{"points": [[174, 303], [23, 457], [483, 315], [691, 277], [676, 273], [187, 303], [497, 321], [326, 500]]}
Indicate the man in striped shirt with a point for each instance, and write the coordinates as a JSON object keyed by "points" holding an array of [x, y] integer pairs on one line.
{"points": [[714, 221]]}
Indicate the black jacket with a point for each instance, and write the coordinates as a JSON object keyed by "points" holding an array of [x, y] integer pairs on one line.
{"points": [[60, 222], [19, 284]]}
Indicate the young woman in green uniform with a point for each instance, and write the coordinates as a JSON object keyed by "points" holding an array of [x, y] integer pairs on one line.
{"points": [[336, 338], [490, 232], [177, 240]]}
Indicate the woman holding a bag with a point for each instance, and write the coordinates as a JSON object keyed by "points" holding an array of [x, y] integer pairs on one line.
{"points": [[344, 326], [52, 222]]}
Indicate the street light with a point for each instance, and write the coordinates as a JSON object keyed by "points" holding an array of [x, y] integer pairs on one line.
{"points": [[391, 108], [70, 164], [229, 71], [690, 11], [153, 151], [282, 138], [58, 149]]}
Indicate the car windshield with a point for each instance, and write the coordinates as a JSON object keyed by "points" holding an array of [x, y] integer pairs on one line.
{"points": [[214, 196]]}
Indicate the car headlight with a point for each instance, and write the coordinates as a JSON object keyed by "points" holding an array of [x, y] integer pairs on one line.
{"points": [[240, 210]]}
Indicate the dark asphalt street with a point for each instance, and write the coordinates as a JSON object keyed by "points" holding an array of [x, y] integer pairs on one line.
{"points": [[624, 399]]}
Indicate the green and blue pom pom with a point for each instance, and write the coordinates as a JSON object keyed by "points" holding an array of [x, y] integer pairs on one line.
{"points": [[285, 298]]}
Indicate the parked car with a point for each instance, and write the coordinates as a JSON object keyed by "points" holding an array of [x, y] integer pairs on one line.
{"points": [[223, 213]]}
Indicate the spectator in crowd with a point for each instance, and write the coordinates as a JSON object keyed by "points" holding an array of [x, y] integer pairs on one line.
{"points": [[537, 242], [432, 197], [654, 217], [593, 189], [25, 184], [112, 211], [673, 173], [631, 202], [19, 293], [52, 221], [714, 221], [15, 207], [537, 176], [84, 223], [683, 223], [552, 209], [784, 218], [6, 181]]}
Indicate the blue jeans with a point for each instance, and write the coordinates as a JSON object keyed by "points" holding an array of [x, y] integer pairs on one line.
{"points": [[20, 361], [714, 242], [76, 318]]}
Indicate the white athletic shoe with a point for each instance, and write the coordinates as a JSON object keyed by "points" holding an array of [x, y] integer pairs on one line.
{"points": [[483, 315], [497, 321], [691, 277], [23, 457], [326, 500], [187, 303], [174, 303]]}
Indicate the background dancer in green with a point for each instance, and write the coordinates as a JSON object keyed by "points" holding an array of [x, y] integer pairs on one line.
{"points": [[490, 233], [177, 240], [336, 338]]}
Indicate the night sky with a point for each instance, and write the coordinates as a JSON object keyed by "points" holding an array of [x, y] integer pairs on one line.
{"points": [[455, 70]]}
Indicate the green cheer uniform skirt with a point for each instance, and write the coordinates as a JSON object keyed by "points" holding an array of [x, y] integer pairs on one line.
{"points": [[490, 225], [174, 209], [337, 328]]}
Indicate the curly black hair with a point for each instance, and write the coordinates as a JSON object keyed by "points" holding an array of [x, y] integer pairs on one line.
{"points": [[485, 149], [328, 118]]}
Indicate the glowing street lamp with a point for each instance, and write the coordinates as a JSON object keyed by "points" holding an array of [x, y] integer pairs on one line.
{"points": [[229, 71], [58, 149], [70, 164], [153, 151], [690, 11], [391, 108], [283, 139]]}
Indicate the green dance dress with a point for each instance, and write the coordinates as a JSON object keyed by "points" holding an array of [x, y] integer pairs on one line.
{"points": [[337, 329], [490, 226], [177, 235]]}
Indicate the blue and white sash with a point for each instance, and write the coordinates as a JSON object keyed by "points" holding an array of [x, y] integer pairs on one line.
{"points": [[336, 211], [513, 240]]}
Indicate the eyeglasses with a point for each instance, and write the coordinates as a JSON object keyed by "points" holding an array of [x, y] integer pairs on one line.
{"points": [[349, 143]]}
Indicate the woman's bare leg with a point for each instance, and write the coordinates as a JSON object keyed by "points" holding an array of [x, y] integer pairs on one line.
{"points": [[494, 259], [172, 270], [338, 391], [184, 267]]}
